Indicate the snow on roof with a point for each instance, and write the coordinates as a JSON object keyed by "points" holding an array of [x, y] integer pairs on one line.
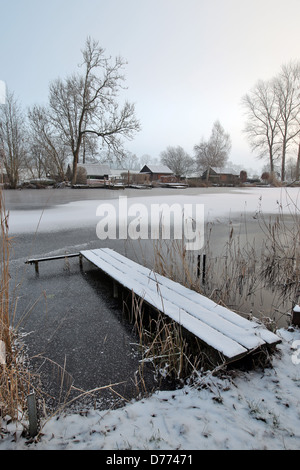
{"points": [[225, 171], [229, 171], [157, 169], [95, 168]]}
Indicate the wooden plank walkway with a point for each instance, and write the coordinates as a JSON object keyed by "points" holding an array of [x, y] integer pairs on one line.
{"points": [[223, 330]]}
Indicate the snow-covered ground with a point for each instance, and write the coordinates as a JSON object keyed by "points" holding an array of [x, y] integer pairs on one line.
{"points": [[246, 410], [258, 409]]}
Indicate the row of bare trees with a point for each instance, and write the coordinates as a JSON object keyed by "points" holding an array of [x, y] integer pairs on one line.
{"points": [[272, 111], [82, 112], [13, 146], [213, 152]]}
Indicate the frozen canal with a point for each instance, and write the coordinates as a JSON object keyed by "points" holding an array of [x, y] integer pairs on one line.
{"points": [[70, 318]]}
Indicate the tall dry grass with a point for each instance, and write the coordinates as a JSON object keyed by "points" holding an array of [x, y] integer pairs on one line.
{"points": [[164, 344], [280, 263], [17, 380], [14, 377], [253, 279], [257, 276]]}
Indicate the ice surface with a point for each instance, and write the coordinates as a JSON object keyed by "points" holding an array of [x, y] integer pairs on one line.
{"points": [[224, 206]]}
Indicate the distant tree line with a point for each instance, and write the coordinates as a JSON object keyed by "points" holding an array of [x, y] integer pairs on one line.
{"points": [[213, 152], [81, 109]]}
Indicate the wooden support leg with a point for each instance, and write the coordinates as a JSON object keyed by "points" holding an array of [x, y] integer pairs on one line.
{"points": [[296, 315], [203, 269], [36, 266], [115, 290], [198, 265]]}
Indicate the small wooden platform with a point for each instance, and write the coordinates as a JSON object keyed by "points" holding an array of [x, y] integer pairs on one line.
{"points": [[223, 330], [36, 261]]}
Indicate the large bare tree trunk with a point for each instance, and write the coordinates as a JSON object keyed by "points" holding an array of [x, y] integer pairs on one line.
{"points": [[298, 164], [283, 164], [271, 162], [75, 165]]}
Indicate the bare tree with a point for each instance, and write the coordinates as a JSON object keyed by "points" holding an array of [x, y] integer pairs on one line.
{"points": [[48, 148], [273, 116], [35, 161], [131, 162], [12, 138], [262, 113], [291, 169], [243, 176], [177, 160], [215, 151], [87, 104], [147, 159], [287, 87]]}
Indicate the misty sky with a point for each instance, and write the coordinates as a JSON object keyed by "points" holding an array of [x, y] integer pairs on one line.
{"points": [[189, 61]]}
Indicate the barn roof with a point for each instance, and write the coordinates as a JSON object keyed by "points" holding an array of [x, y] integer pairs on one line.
{"points": [[156, 169], [95, 168]]}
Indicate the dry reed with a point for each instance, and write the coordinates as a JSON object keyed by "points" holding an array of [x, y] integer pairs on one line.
{"points": [[173, 352], [14, 377], [261, 280]]}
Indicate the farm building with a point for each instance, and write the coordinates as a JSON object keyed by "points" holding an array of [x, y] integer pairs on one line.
{"points": [[122, 174], [224, 177], [157, 172], [92, 173]]}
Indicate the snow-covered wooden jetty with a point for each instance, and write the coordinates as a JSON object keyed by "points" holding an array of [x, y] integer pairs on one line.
{"points": [[223, 330], [231, 335]]}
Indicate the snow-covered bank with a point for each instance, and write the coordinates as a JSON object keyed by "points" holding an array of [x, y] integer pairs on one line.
{"points": [[248, 410], [245, 410]]}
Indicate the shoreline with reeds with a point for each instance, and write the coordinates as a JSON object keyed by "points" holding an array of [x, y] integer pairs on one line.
{"points": [[236, 269]]}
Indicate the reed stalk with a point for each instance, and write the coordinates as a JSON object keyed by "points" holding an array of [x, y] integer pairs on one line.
{"points": [[14, 377]]}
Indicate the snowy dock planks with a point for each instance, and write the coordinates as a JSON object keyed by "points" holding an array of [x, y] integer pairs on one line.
{"points": [[218, 327]]}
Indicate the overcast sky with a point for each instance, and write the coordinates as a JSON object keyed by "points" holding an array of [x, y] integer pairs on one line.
{"points": [[189, 61]]}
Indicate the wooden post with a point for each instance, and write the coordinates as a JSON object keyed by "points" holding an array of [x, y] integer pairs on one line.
{"points": [[115, 290], [296, 315], [198, 265], [32, 415], [36, 266], [80, 260], [203, 268]]}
